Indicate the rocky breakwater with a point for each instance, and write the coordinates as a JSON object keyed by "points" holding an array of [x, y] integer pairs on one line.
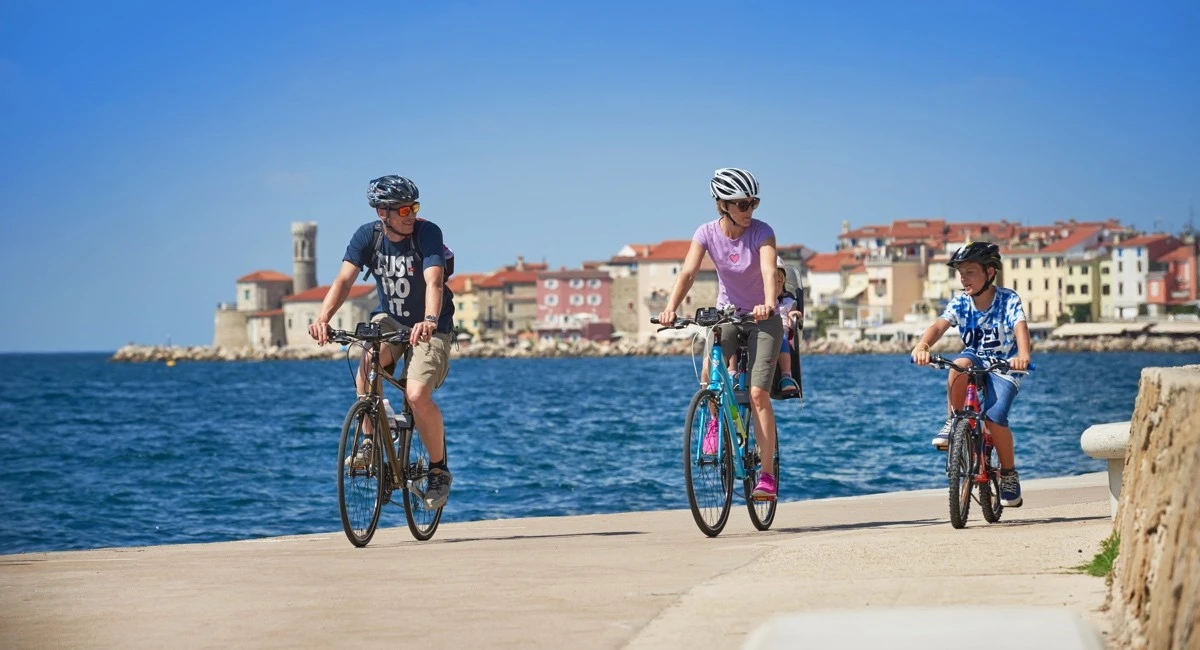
{"points": [[1155, 589], [162, 353]]}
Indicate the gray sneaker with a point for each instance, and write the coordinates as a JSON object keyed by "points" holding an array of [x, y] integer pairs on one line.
{"points": [[437, 492], [1010, 490], [361, 457], [942, 439]]}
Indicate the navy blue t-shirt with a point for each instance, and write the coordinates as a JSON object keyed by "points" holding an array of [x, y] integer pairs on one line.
{"points": [[400, 286]]}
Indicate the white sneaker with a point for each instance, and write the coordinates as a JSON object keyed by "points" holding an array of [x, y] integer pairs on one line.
{"points": [[942, 439]]}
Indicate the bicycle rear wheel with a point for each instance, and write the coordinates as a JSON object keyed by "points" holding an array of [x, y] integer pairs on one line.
{"points": [[762, 513], [422, 522], [360, 485], [958, 471], [989, 493], [709, 477]]}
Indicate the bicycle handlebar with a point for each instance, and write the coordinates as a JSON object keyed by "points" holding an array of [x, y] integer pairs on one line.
{"points": [[681, 323], [999, 366], [345, 338]]}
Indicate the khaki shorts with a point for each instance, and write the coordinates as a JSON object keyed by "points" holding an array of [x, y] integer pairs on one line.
{"points": [[428, 362], [762, 345]]}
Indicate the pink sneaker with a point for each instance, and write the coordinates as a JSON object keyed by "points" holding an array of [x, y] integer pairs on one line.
{"points": [[710, 438], [766, 488]]}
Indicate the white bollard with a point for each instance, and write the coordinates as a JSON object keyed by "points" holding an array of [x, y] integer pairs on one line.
{"points": [[1108, 442]]}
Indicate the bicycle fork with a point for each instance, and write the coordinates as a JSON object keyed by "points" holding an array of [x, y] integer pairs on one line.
{"points": [[979, 453]]}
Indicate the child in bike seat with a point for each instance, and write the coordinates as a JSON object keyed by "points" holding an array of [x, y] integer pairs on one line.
{"points": [[787, 309], [992, 325]]}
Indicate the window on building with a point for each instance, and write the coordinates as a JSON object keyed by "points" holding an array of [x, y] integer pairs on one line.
{"points": [[1104, 270], [594, 283], [510, 324], [1029, 285], [289, 323], [1083, 288], [510, 307], [551, 300], [1060, 284], [1058, 262], [1047, 283], [1120, 267], [594, 299], [1139, 289], [1139, 266], [1104, 290], [246, 294], [576, 283], [310, 322], [1120, 288], [1045, 262], [577, 299], [1014, 285], [1029, 262], [1070, 270], [1070, 289], [551, 283]]}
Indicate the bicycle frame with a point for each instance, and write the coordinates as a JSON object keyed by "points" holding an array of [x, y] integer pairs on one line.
{"points": [[731, 415], [374, 396], [972, 412]]}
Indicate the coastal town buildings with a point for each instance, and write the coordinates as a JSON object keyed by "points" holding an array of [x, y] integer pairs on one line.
{"points": [[878, 278]]}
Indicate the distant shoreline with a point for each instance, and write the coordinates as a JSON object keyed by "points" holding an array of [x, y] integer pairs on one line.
{"points": [[161, 354]]}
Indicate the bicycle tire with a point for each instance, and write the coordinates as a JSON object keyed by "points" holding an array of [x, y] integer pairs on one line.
{"points": [[422, 522], [958, 471], [360, 490], [708, 479], [762, 513], [989, 493]]}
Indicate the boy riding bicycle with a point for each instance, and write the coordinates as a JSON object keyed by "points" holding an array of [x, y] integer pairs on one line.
{"points": [[991, 321]]}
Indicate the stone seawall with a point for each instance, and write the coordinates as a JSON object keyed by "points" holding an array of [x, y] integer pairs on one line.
{"points": [[144, 353], [1154, 597]]}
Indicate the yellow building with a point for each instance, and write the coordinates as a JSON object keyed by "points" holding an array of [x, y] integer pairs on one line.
{"points": [[1039, 276], [466, 302]]}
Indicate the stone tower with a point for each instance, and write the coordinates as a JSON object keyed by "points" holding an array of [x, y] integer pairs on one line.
{"points": [[304, 255]]}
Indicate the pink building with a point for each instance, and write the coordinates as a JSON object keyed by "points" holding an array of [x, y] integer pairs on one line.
{"points": [[1172, 278], [574, 304]]}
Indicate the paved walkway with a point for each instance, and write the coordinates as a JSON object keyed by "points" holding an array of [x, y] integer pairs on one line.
{"points": [[638, 580]]}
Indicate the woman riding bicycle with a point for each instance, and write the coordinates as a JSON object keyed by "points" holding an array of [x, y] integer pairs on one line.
{"points": [[743, 250], [991, 321]]}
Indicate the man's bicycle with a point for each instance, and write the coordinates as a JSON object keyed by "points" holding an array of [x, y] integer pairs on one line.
{"points": [[711, 470], [390, 460], [971, 459]]}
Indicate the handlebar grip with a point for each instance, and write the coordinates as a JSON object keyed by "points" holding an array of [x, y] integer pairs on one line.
{"points": [[654, 320]]}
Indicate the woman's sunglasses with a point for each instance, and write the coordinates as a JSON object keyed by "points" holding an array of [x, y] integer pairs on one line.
{"points": [[744, 204], [404, 210]]}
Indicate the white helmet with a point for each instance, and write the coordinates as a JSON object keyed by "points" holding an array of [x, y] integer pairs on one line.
{"points": [[731, 184]]}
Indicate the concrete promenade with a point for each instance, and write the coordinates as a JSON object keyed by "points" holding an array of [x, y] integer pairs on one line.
{"points": [[637, 580]]}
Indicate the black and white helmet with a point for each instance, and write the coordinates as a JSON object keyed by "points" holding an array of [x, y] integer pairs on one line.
{"points": [[731, 184], [391, 190]]}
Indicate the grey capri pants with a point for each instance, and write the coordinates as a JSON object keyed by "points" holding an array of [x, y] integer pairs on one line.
{"points": [[762, 348]]}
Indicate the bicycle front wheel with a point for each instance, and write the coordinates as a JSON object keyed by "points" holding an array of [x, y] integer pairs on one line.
{"points": [[422, 522], [360, 475], [709, 476], [762, 512], [989, 493], [958, 471]]}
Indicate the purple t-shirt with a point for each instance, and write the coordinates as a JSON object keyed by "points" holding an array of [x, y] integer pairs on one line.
{"points": [[737, 260]]}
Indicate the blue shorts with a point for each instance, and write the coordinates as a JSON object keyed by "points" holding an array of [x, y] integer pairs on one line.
{"points": [[999, 393]]}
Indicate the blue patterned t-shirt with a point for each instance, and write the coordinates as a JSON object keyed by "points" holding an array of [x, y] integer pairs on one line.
{"points": [[987, 334]]}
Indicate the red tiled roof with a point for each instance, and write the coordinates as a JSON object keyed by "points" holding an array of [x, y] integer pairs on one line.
{"points": [[1077, 237], [918, 228], [265, 276], [830, 262], [669, 251], [867, 232], [1144, 240], [1179, 254], [317, 294], [458, 283], [501, 278]]}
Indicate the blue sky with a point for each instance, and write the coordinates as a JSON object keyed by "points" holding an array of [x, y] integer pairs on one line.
{"points": [[153, 152]]}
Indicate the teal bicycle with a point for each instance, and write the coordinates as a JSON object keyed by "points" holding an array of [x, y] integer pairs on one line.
{"points": [[711, 470]]}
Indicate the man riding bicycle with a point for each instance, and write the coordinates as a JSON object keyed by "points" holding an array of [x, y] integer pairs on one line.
{"points": [[412, 292], [991, 321], [743, 250]]}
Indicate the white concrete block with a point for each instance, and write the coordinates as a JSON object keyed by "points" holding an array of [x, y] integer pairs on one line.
{"points": [[1108, 442]]}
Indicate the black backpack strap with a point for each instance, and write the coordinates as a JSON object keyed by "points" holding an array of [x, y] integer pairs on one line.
{"points": [[376, 242]]}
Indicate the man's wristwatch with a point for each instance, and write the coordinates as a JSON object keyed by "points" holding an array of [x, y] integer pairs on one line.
{"points": [[431, 319]]}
